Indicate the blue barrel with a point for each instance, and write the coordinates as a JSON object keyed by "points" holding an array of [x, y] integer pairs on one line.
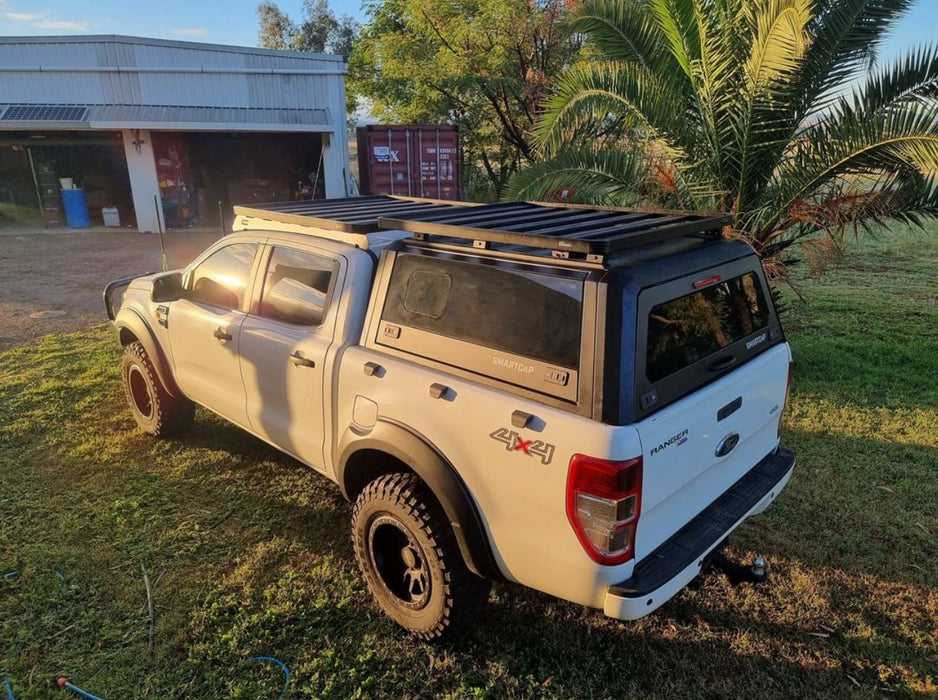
{"points": [[76, 210]]}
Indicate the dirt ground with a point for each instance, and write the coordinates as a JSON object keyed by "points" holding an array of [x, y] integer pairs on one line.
{"points": [[52, 282]]}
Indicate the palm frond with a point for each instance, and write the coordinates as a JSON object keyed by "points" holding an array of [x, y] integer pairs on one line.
{"points": [[594, 91], [846, 34], [911, 78], [608, 176], [779, 41], [622, 30]]}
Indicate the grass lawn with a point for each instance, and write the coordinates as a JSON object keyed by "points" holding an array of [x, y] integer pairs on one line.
{"points": [[248, 553]]}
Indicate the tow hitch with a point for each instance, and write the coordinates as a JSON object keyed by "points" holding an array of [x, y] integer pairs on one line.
{"points": [[736, 573], [757, 572]]}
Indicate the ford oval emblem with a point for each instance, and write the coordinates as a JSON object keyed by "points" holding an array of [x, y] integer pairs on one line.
{"points": [[727, 445]]}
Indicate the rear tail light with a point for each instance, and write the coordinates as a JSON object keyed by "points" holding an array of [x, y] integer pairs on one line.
{"points": [[603, 506], [781, 414]]}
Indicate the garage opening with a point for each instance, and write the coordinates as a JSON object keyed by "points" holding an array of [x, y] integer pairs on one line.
{"points": [[32, 165], [202, 175]]}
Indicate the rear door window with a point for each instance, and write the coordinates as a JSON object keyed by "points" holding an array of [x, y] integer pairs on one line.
{"points": [[296, 287], [687, 329], [695, 329]]}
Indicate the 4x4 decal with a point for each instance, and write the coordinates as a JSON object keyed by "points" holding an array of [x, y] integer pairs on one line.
{"points": [[515, 443]]}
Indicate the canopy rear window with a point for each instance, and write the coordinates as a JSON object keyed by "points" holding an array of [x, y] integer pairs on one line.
{"points": [[688, 329]]}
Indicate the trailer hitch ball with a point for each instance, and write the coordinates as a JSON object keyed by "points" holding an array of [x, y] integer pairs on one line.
{"points": [[757, 572]]}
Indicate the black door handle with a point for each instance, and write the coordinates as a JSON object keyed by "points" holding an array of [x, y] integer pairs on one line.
{"points": [[222, 334], [722, 363], [299, 360]]}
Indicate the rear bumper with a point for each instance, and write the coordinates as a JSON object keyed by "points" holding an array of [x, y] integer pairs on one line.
{"points": [[674, 564]]}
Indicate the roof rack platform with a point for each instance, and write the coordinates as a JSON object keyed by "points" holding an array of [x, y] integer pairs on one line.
{"points": [[592, 233], [347, 219]]}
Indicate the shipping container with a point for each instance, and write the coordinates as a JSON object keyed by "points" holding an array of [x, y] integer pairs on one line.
{"points": [[413, 161]]}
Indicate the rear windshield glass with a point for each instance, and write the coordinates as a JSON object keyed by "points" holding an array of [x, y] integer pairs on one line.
{"points": [[526, 313], [685, 330]]}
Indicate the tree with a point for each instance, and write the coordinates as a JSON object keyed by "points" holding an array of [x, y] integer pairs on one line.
{"points": [[746, 106], [276, 29], [319, 32], [484, 65]]}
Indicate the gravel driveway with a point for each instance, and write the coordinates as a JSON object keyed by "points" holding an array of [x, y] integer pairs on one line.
{"points": [[52, 282]]}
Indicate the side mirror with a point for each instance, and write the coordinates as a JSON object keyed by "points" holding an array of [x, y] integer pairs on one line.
{"points": [[167, 287]]}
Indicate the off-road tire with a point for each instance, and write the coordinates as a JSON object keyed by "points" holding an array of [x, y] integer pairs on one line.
{"points": [[155, 410], [410, 559]]}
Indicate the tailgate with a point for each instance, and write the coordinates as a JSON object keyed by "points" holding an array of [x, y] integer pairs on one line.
{"points": [[710, 381], [698, 447]]}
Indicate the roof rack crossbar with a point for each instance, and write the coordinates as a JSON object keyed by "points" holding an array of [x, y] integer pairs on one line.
{"points": [[487, 212], [624, 228], [371, 214], [572, 225], [486, 235], [504, 221]]}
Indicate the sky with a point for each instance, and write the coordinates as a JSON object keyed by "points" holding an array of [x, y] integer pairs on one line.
{"points": [[235, 21]]}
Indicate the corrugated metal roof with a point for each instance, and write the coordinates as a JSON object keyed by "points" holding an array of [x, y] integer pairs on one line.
{"points": [[162, 116], [118, 52]]}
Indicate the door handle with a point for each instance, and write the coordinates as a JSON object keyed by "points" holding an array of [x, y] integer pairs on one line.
{"points": [[299, 360], [722, 363], [222, 334]]}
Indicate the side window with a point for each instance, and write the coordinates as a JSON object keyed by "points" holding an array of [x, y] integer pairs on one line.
{"points": [[222, 278], [296, 286], [524, 312]]}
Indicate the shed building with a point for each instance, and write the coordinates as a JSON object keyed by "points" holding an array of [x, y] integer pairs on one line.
{"points": [[167, 132]]}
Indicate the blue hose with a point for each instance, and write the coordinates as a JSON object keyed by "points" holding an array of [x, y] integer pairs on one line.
{"points": [[283, 666], [9, 688], [63, 683]]}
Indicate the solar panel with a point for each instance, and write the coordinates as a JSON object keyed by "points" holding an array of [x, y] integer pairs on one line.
{"points": [[44, 113]]}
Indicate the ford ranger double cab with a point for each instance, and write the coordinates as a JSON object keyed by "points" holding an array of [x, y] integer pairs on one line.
{"points": [[585, 401]]}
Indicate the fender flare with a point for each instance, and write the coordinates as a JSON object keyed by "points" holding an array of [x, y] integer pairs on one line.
{"points": [[437, 473], [132, 322]]}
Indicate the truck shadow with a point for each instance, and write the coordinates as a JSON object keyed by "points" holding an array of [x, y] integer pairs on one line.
{"points": [[296, 579]]}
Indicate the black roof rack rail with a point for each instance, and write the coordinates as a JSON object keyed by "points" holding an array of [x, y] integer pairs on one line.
{"points": [[593, 232]]}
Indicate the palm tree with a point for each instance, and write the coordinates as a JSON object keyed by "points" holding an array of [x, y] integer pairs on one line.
{"points": [[745, 106]]}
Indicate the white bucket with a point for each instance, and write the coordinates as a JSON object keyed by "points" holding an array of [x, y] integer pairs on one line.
{"points": [[66, 183]]}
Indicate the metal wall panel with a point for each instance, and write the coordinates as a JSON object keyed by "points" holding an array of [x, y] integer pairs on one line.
{"points": [[189, 86], [47, 53]]}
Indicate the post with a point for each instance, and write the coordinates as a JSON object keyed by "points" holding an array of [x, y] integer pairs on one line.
{"points": [[144, 184], [221, 219], [159, 227]]}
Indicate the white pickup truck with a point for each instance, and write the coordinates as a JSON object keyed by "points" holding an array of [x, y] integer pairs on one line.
{"points": [[584, 401]]}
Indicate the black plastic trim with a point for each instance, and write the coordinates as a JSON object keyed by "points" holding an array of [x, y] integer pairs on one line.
{"points": [[708, 528], [427, 462], [111, 287]]}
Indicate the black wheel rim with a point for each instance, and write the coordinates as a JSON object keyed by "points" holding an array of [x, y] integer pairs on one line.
{"points": [[140, 392], [399, 561]]}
